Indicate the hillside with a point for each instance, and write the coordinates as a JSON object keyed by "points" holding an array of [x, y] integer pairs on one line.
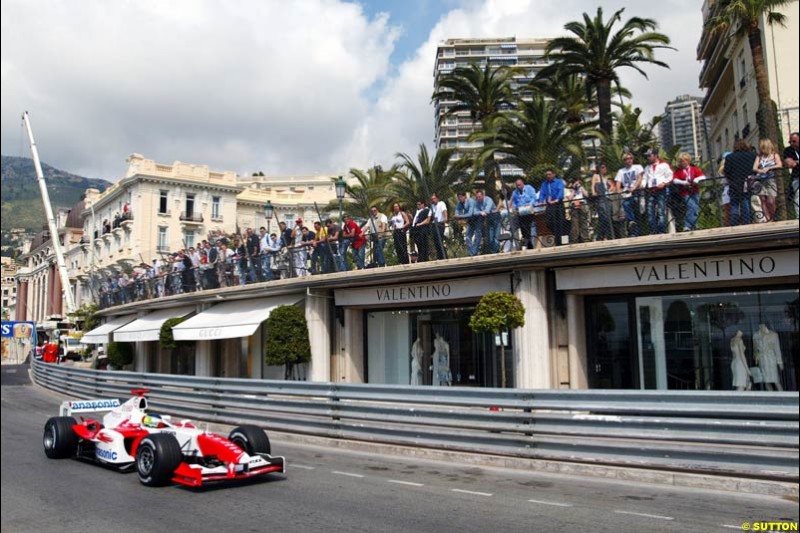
{"points": [[20, 200]]}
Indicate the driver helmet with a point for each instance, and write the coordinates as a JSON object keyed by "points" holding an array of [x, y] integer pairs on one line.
{"points": [[153, 420]]}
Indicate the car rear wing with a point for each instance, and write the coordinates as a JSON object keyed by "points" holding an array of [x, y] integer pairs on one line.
{"points": [[71, 407]]}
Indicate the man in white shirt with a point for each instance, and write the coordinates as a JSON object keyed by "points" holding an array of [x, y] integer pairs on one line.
{"points": [[264, 251], [629, 182], [657, 177], [439, 214], [376, 227]]}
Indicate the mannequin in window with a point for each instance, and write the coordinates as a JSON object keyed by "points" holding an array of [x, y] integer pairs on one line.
{"points": [[417, 353], [441, 357], [768, 357], [740, 370]]}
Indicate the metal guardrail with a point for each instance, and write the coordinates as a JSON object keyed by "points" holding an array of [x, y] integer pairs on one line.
{"points": [[753, 434]]}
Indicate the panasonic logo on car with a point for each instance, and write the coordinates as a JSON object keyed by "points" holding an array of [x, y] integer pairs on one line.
{"points": [[107, 455], [93, 405]]}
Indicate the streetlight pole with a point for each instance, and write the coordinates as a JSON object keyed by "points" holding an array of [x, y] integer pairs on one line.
{"points": [[269, 210], [341, 185]]}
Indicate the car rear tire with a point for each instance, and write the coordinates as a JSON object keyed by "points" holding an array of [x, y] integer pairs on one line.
{"points": [[252, 439], [59, 439], [157, 457]]}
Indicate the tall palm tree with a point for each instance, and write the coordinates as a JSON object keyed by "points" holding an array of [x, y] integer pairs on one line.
{"points": [[538, 135], [417, 180], [573, 93], [744, 17], [598, 52], [483, 92], [365, 190]]}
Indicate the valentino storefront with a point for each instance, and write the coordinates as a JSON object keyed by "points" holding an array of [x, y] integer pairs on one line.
{"points": [[726, 322], [418, 333]]}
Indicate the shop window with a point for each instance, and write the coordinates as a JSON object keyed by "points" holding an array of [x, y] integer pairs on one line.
{"points": [[686, 341], [433, 347]]}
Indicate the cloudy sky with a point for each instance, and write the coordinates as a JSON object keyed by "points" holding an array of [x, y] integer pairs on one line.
{"points": [[287, 88]]}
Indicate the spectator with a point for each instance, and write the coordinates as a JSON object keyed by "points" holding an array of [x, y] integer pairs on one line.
{"points": [[307, 242], [252, 247], [419, 230], [439, 219], [791, 156], [603, 195], [334, 238], [629, 185], [240, 258], [685, 181], [400, 223], [488, 223], [376, 227], [552, 196], [765, 168], [465, 213], [523, 199], [657, 177], [265, 252], [286, 235], [579, 211], [298, 251], [321, 258], [352, 234], [738, 167]]}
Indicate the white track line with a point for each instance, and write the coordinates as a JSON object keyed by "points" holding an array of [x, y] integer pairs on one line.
{"points": [[409, 483], [303, 467], [551, 503], [659, 517], [348, 474], [462, 491]]}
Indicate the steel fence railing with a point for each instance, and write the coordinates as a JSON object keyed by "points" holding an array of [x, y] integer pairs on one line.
{"points": [[752, 434]]}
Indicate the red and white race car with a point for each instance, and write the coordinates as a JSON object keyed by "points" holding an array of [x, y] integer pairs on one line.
{"points": [[160, 450]]}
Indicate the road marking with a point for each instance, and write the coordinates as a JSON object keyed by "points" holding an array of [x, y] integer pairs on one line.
{"points": [[659, 517], [739, 527], [462, 491], [409, 483], [11, 371], [303, 467], [346, 474], [551, 503]]}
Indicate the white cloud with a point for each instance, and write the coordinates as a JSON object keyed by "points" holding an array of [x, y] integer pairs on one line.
{"points": [[282, 87]]}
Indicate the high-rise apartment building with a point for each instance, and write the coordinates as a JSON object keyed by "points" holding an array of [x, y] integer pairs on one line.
{"points": [[683, 124], [731, 100], [526, 54]]}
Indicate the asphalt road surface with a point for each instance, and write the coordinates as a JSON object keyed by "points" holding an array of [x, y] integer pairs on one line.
{"points": [[332, 490]]}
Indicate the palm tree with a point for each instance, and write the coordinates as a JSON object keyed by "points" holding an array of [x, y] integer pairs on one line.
{"points": [[744, 18], [365, 190], [536, 136], [483, 92], [597, 53], [417, 180], [571, 92]]}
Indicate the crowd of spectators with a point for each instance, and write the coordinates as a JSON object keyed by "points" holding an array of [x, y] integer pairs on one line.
{"points": [[636, 200]]}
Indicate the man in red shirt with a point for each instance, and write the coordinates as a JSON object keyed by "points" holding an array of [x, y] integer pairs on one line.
{"points": [[50, 353], [352, 233]]}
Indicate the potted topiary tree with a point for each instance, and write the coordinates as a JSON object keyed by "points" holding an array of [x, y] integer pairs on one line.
{"points": [[120, 354], [498, 313], [287, 339], [165, 337]]}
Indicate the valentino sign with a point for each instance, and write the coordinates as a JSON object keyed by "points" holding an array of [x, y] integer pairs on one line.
{"points": [[722, 268], [424, 292]]}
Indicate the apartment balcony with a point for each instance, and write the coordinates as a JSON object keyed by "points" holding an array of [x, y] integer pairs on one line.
{"points": [[191, 218]]}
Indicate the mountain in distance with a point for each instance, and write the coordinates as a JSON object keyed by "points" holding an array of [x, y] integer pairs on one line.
{"points": [[20, 200]]}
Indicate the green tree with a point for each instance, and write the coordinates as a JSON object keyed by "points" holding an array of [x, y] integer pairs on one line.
{"points": [[419, 179], [598, 52], [484, 92], [743, 18], [498, 313], [85, 317], [536, 136], [166, 339], [119, 354], [287, 338], [630, 135], [366, 189]]}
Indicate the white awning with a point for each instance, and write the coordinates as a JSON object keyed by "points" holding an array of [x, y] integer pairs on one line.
{"points": [[148, 327], [230, 320], [102, 334]]}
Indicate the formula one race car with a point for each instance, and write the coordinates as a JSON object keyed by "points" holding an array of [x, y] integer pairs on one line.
{"points": [[160, 450]]}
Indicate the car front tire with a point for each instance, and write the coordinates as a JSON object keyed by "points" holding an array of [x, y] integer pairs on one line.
{"points": [[252, 439], [157, 457], [59, 439]]}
